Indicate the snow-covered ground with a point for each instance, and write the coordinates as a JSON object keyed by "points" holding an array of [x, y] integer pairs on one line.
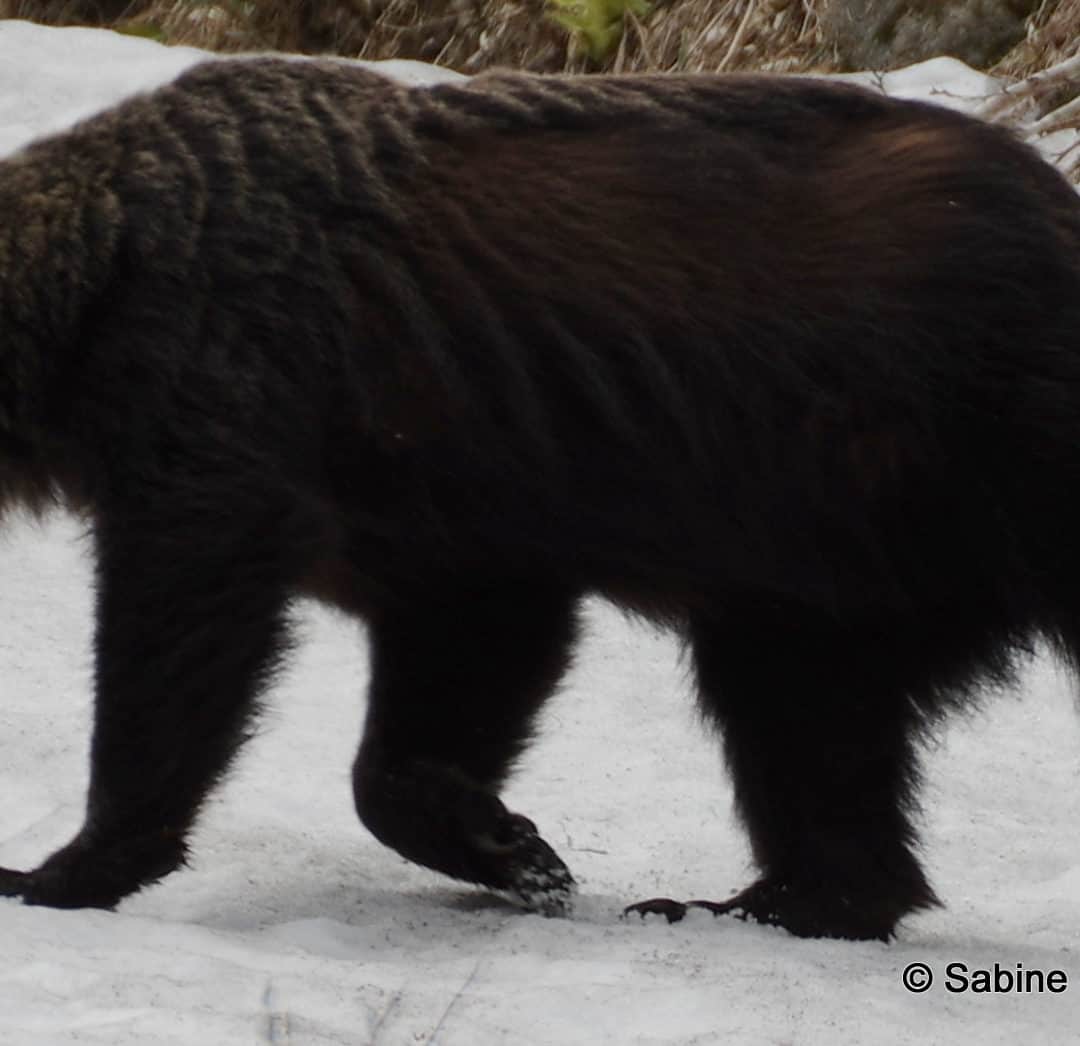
{"points": [[294, 926]]}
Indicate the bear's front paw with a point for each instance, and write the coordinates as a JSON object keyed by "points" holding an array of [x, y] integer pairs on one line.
{"points": [[533, 874]]}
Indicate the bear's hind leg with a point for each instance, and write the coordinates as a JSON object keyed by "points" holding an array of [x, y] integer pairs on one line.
{"points": [[819, 732], [456, 683]]}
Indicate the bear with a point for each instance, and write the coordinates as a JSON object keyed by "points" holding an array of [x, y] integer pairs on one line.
{"points": [[785, 365]]}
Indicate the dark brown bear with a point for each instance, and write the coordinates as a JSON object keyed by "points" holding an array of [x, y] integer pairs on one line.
{"points": [[789, 366]]}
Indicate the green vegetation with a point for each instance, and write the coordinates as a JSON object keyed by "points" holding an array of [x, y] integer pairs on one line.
{"points": [[146, 30], [597, 24]]}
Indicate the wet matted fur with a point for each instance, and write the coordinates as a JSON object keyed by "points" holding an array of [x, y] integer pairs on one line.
{"points": [[788, 366]]}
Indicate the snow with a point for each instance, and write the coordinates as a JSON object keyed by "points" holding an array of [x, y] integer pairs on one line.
{"points": [[294, 926], [947, 81], [50, 78]]}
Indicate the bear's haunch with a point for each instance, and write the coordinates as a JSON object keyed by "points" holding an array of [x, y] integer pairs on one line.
{"points": [[786, 365]]}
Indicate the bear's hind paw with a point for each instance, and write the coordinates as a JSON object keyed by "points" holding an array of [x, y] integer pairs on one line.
{"points": [[12, 883], [802, 912]]}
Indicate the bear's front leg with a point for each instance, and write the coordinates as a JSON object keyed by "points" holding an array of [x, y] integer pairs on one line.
{"points": [[456, 682], [189, 624]]}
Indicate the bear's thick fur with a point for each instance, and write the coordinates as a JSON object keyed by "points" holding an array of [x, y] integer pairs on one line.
{"points": [[789, 366]]}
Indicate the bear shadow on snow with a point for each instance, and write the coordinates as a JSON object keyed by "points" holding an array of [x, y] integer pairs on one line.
{"points": [[785, 365]]}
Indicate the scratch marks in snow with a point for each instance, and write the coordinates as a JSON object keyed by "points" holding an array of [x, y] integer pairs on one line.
{"points": [[275, 1023], [383, 1032], [453, 1002]]}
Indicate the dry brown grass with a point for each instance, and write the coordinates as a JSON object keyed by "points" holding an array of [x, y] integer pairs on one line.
{"points": [[1053, 35], [676, 35], [469, 35], [465, 34]]}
